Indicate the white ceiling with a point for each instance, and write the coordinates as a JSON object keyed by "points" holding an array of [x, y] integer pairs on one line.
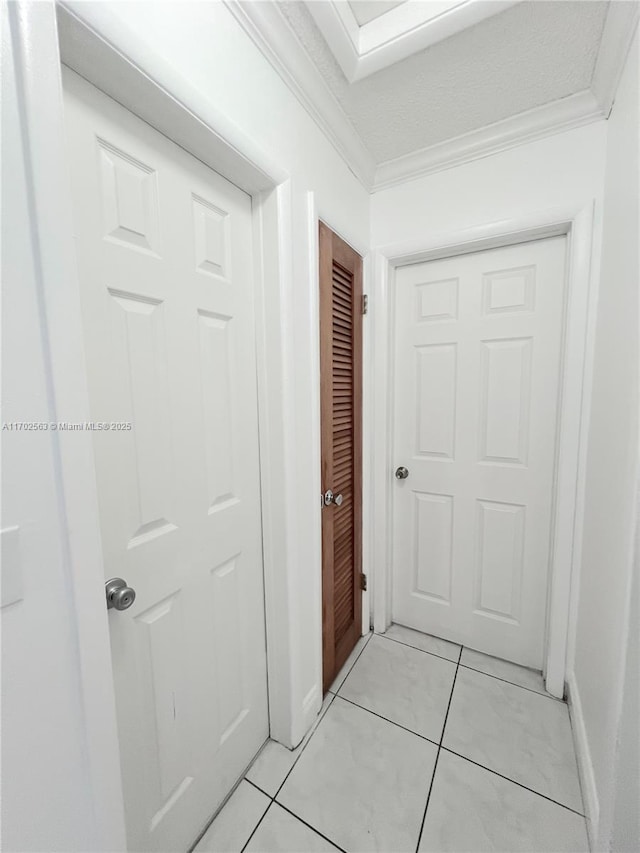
{"points": [[366, 11], [530, 55]]}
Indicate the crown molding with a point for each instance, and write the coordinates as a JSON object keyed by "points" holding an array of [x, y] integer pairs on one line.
{"points": [[398, 33], [619, 29], [565, 114], [275, 39]]}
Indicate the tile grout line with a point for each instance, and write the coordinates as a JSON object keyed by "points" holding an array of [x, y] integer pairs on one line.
{"points": [[513, 683], [509, 779], [273, 801], [312, 733], [290, 771], [387, 720], [312, 828], [273, 798], [335, 693], [435, 764], [223, 804], [255, 828], [258, 788], [424, 651], [545, 695]]}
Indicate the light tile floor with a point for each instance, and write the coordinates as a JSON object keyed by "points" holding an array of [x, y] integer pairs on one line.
{"points": [[420, 746]]}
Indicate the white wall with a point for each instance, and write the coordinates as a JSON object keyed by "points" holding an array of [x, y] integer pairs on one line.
{"points": [[46, 797], [564, 169], [602, 635], [625, 835]]}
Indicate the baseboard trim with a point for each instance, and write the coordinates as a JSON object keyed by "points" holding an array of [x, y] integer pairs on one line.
{"points": [[311, 706], [585, 763]]}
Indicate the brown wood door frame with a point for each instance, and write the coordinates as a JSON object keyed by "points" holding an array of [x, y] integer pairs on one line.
{"points": [[340, 277]]}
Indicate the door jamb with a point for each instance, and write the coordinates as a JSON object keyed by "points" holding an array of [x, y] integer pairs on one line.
{"points": [[577, 224], [168, 103]]}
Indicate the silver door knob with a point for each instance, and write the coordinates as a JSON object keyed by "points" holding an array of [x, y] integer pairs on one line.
{"points": [[329, 498], [402, 473], [119, 595]]}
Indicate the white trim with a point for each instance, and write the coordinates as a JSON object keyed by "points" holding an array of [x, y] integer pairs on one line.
{"points": [[368, 388], [556, 117], [340, 29], [272, 35], [619, 29], [166, 101], [45, 144], [398, 33], [272, 229], [586, 770], [574, 409], [577, 223]]}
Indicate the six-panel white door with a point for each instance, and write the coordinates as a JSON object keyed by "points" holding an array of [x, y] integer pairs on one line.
{"points": [[477, 365], [165, 265]]}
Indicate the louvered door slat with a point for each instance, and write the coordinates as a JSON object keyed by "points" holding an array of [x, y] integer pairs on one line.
{"points": [[341, 382]]}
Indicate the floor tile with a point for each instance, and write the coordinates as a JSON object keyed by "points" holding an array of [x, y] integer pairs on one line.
{"points": [[504, 669], [233, 826], [281, 832], [518, 733], [473, 809], [434, 645], [344, 672], [274, 761], [362, 781], [404, 685]]}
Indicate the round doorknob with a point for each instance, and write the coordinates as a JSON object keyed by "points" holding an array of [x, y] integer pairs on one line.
{"points": [[119, 595], [402, 473], [338, 500]]}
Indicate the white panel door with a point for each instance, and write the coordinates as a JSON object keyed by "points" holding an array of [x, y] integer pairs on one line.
{"points": [[477, 365], [165, 264]]}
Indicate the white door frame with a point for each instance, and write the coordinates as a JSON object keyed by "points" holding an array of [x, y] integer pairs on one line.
{"points": [[145, 83], [576, 222]]}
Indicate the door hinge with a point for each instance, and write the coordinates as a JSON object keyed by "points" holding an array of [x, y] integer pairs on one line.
{"points": [[363, 581], [365, 303]]}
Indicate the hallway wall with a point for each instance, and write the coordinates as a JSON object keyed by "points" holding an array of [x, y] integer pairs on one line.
{"points": [[563, 169], [46, 793], [603, 635]]}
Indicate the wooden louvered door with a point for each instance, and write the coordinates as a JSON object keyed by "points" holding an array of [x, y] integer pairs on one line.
{"points": [[341, 414]]}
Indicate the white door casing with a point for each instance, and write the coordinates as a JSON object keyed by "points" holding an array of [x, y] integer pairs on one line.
{"points": [[477, 365], [165, 266]]}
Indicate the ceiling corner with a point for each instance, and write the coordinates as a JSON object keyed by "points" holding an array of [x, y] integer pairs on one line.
{"points": [[619, 29]]}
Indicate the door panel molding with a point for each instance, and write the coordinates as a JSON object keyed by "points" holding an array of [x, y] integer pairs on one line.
{"points": [[575, 221]]}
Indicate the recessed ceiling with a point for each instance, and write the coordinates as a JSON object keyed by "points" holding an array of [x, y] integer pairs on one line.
{"points": [[526, 56], [368, 36], [365, 11]]}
